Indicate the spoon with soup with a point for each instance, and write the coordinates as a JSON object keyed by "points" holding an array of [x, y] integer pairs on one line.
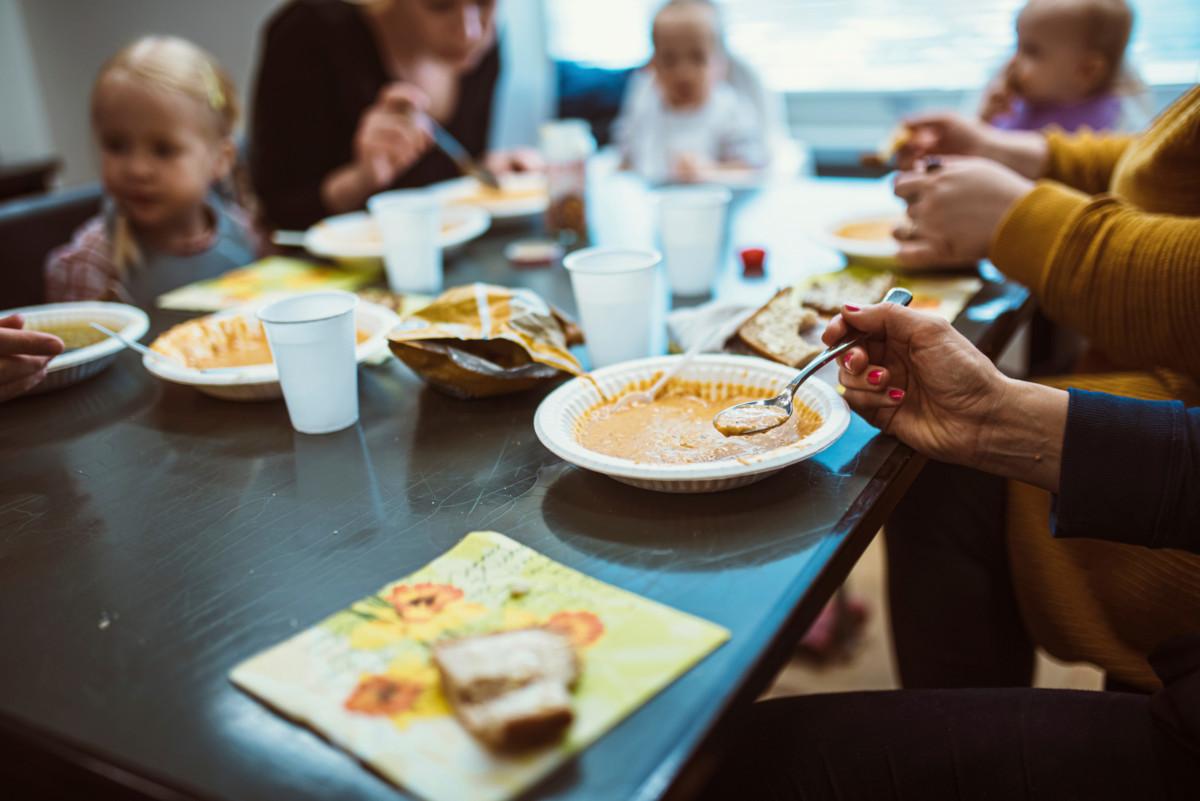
{"points": [[753, 417]]}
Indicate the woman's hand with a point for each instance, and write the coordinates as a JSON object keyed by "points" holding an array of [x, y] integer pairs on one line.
{"points": [[921, 381], [23, 356], [392, 134], [917, 379], [519, 159], [954, 211], [949, 134]]}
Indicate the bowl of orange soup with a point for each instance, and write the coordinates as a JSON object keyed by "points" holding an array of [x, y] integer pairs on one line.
{"points": [[226, 354], [865, 238], [670, 444]]}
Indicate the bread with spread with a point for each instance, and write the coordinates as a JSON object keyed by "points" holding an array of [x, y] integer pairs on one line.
{"points": [[510, 689], [778, 330], [787, 329]]}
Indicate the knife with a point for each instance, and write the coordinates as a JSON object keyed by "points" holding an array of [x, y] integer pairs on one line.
{"points": [[455, 150]]}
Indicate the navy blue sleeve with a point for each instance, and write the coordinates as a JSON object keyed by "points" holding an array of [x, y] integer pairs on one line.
{"points": [[1130, 472]]}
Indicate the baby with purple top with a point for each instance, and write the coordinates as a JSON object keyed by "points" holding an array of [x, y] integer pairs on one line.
{"points": [[1068, 68]]}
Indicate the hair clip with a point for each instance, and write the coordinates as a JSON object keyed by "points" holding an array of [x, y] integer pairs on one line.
{"points": [[216, 97]]}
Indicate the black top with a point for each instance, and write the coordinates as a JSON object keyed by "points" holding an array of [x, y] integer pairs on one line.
{"points": [[1131, 473], [320, 70]]}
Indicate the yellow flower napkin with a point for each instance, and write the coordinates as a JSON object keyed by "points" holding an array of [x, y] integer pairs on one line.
{"points": [[363, 677], [272, 276]]}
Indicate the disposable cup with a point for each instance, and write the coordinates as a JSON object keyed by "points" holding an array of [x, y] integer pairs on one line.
{"points": [[312, 339], [691, 232], [616, 293], [409, 221]]}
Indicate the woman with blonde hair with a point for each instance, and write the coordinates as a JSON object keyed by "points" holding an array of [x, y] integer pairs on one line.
{"points": [[163, 115]]}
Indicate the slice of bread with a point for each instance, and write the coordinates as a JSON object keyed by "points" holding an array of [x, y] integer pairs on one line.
{"points": [[774, 331], [510, 689], [829, 293]]}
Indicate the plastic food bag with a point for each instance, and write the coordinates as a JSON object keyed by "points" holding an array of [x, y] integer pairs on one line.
{"points": [[480, 340]]}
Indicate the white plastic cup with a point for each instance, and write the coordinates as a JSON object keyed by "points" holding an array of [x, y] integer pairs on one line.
{"points": [[410, 223], [691, 232], [312, 338], [617, 295]]}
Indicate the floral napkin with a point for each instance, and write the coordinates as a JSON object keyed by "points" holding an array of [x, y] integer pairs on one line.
{"points": [[363, 677]]}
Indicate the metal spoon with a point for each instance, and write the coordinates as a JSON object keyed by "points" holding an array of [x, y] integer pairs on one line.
{"points": [[763, 415]]}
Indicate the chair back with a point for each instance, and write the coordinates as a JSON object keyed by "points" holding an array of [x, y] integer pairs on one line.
{"points": [[29, 230]]}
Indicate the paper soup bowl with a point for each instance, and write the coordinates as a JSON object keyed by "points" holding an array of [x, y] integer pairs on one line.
{"points": [[557, 417]]}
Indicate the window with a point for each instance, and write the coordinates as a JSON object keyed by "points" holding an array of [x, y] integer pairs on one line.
{"points": [[867, 45]]}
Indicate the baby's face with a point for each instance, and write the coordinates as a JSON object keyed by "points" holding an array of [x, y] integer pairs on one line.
{"points": [[687, 61], [1051, 65]]}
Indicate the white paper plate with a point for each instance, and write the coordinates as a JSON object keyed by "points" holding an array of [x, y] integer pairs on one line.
{"points": [[464, 193], [355, 235], [556, 417], [874, 253], [76, 365], [261, 381]]}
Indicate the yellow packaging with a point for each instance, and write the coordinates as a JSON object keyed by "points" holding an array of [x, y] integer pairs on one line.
{"points": [[480, 340]]}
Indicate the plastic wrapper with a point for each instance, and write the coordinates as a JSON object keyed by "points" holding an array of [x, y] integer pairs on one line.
{"points": [[481, 340]]}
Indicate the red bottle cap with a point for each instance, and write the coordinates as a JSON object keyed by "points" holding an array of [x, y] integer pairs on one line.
{"points": [[752, 262]]}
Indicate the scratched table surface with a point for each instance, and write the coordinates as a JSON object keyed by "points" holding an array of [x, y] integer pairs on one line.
{"points": [[151, 538]]}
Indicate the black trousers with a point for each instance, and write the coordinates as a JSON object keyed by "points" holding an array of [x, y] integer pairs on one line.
{"points": [[1007, 744], [954, 613], [974, 729]]}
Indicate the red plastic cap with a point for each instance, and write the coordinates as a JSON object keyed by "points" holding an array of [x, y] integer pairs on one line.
{"points": [[752, 261]]}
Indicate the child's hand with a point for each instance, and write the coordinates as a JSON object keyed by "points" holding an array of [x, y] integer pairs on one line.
{"points": [[392, 134], [689, 167], [999, 95], [997, 99], [23, 356]]}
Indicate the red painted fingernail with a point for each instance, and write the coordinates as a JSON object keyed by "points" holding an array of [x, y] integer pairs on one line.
{"points": [[852, 307], [896, 394], [874, 376]]}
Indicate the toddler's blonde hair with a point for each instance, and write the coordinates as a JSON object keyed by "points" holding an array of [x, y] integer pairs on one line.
{"points": [[169, 64], [1106, 26]]}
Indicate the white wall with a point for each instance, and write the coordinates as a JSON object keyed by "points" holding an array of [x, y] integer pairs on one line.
{"points": [[70, 39], [24, 133]]}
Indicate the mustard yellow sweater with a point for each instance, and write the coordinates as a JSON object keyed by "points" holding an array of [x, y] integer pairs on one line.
{"points": [[1109, 242]]}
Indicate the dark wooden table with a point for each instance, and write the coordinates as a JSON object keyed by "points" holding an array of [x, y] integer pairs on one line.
{"points": [[151, 538]]}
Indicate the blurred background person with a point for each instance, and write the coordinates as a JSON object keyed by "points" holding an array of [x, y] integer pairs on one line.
{"points": [[685, 119], [343, 94], [1069, 69], [163, 116]]}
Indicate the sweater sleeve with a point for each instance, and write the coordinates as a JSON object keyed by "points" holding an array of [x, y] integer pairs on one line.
{"points": [[289, 147], [1129, 472], [1084, 161], [1124, 278]]}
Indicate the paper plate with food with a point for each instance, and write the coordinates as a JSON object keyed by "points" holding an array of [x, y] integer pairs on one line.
{"points": [[864, 237], [226, 355], [670, 444], [520, 195], [88, 351], [356, 235]]}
